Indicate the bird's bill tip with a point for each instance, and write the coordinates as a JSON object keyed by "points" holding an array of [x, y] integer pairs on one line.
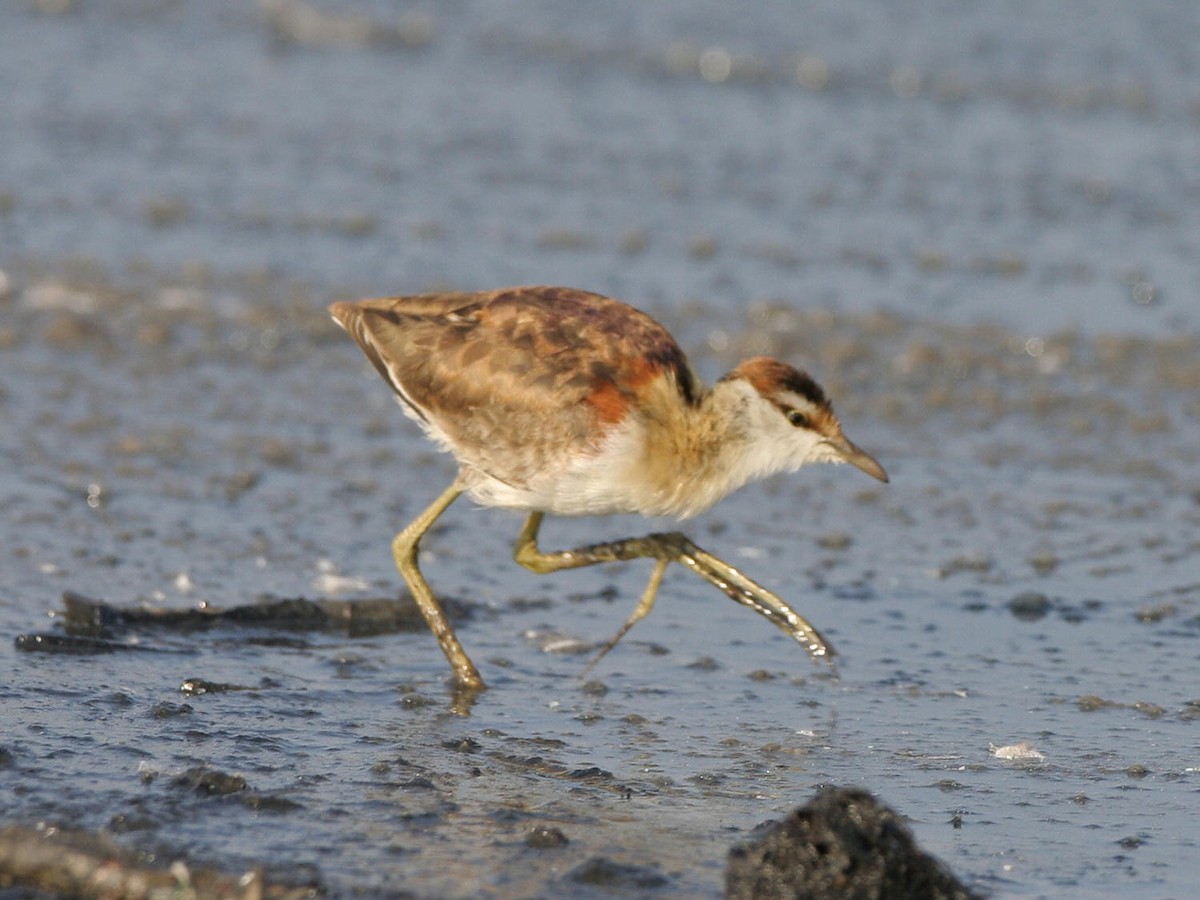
{"points": [[341, 311], [860, 459]]}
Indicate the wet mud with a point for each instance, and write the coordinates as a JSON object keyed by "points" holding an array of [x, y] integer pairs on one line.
{"points": [[977, 232], [1019, 581]]}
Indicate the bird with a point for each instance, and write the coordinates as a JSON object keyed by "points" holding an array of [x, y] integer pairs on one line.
{"points": [[559, 401]]}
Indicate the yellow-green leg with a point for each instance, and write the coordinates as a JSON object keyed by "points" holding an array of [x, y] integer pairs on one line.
{"points": [[639, 612], [404, 551], [667, 548]]}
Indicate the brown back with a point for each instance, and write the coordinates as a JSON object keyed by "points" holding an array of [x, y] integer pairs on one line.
{"points": [[519, 379]]}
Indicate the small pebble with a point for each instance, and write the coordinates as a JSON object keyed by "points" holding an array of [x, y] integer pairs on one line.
{"points": [[1029, 606], [1021, 750], [545, 837]]}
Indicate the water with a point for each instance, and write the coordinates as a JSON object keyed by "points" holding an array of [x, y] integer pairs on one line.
{"points": [[976, 228]]}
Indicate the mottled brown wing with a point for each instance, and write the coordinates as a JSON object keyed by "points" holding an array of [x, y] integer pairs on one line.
{"points": [[518, 380]]}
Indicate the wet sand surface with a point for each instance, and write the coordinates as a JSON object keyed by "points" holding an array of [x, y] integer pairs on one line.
{"points": [[979, 231]]}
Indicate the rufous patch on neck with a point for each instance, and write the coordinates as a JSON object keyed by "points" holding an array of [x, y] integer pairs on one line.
{"points": [[609, 402]]}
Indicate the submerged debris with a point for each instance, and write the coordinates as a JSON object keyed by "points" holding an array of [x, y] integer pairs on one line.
{"points": [[88, 616], [82, 864], [69, 645], [97, 627]]}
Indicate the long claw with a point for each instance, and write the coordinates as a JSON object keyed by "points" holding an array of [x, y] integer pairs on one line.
{"points": [[667, 548], [749, 593]]}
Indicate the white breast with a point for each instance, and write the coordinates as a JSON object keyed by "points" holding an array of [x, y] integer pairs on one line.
{"points": [[606, 482]]}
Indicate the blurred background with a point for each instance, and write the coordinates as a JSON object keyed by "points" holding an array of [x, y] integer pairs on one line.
{"points": [[1031, 164], [977, 225]]}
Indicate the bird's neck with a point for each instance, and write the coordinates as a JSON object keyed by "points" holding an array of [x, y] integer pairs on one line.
{"points": [[695, 454]]}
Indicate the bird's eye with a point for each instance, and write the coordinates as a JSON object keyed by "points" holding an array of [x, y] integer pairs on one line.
{"points": [[797, 418]]}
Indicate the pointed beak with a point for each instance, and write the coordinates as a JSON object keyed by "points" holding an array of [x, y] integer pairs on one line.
{"points": [[860, 459]]}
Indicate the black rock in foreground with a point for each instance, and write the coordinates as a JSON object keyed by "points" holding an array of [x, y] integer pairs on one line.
{"points": [[843, 844]]}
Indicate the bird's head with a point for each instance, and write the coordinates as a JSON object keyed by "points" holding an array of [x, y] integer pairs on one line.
{"points": [[790, 421]]}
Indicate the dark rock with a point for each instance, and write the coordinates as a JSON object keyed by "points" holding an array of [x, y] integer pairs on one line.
{"points": [[843, 844], [209, 782], [196, 687], [590, 773], [545, 837], [164, 710], [612, 876], [268, 803], [1029, 606]]}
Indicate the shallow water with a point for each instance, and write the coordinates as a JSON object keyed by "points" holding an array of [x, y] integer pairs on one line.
{"points": [[977, 230]]}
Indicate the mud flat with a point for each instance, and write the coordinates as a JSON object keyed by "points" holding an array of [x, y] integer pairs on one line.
{"points": [[1028, 576], [977, 230]]}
